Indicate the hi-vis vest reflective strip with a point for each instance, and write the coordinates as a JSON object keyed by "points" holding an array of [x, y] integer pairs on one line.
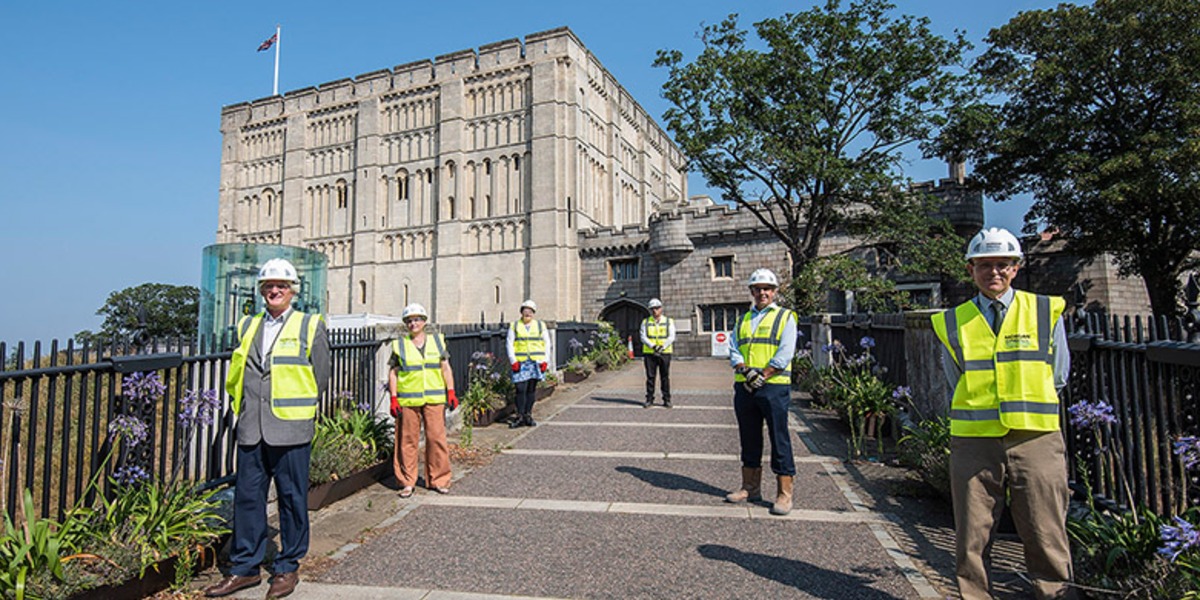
{"points": [[526, 344], [759, 346], [1008, 379], [294, 391], [658, 334], [419, 378]]}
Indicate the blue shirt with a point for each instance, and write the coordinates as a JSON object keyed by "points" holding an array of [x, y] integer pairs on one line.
{"points": [[787, 343]]}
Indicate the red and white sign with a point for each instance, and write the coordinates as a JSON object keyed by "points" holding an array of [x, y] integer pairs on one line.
{"points": [[720, 343]]}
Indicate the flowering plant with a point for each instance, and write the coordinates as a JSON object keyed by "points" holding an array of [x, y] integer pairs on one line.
{"points": [[858, 393], [487, 389]]}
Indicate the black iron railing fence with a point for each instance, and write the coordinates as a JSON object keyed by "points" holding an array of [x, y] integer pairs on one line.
{"points": [[57, 401], [1145, 370]]}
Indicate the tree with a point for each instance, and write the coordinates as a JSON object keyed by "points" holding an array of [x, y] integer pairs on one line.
{"points": [[157, 310], [807, 134], [1099, 117]]}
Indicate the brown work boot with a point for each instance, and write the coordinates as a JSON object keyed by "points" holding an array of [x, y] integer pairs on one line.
{"points": [[751, 487], [783, 502], [282, 584], [231, 584]]}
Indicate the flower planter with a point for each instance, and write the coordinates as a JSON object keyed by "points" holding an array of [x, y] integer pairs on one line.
{"points": [[493, 415], [543, 392], [158, 577], [573, 377], [322, 495]]}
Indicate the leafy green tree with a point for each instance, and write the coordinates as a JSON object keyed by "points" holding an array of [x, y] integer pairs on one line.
{"points": [[807, 132], [152, 309], [1097, 113]]}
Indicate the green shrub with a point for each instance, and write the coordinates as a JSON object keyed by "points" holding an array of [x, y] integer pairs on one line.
{"points": [[925, 446]]}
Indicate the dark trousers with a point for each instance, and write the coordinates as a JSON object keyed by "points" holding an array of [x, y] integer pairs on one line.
{"points": [[257, 465], [769, 403], [525, 396], [660, 365]]}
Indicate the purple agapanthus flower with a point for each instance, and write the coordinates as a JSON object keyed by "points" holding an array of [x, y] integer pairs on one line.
{"points": [[575, 344], [129, 428], [1087, 415], [1179, 539], [147, 387], [902, 392], [130, 474], [867, 342], [197, 408], [1187, 447]]}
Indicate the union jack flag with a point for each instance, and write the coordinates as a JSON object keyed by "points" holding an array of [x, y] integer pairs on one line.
{"points": [[267, 44]]}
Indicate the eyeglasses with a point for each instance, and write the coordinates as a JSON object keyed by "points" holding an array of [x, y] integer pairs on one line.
{"points": [[1001, 266]]}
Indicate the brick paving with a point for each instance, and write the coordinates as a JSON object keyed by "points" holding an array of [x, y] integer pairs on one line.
{"points": [[606, 499]]}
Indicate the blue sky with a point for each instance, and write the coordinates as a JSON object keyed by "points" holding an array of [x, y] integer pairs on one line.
{"points": [[110, 112]]}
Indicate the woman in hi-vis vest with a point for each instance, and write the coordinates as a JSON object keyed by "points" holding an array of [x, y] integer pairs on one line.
{"points": [[528, 348], [422, 384]]}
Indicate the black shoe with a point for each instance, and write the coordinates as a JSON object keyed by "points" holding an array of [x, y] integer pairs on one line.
{"points": [[529, 422], [516, 423], [648, 404], [667, 404]]}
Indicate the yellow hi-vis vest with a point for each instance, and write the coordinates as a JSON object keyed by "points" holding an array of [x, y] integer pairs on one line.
{"points": [[294, 392], [528, 345], [1008, 379], [658, 334], [759, 346], [419, 378]]}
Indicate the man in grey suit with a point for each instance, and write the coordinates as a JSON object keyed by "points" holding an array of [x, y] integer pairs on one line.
{"points": [[277, 375]]}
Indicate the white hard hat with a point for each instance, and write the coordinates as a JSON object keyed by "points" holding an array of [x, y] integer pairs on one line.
{"points": [[278, 269], [763, 277], [530, 304], [414, 309], [994, 241], [655, 303]]}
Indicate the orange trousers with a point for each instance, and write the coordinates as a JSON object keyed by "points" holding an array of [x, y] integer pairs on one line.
{"points": [[408, 446]]}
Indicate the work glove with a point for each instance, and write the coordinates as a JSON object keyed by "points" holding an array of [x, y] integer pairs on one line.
{"points": [[395, 408], [451, 399], [754, 380], [516, 367], [543, 366]]}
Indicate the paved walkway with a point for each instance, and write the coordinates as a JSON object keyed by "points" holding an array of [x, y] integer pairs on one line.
{"points": [[606, 499]]}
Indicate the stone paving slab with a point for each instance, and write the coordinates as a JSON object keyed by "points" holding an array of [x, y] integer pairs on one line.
{"points": [[585, 555], [687, 482], [642, 439], [656, 414]]}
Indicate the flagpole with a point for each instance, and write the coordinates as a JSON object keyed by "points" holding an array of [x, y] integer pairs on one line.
{"points": [[275, 89]]}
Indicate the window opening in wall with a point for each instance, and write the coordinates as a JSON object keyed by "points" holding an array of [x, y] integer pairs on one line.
{"points": [[406, 294], [497, 294], [362, 292], [487, 167], [721, 317], [516, 163], [429, 176], [453, 213], [473, 212], [722, 266], [488, 203], [623, 269], [341, 193], [570, 212]]}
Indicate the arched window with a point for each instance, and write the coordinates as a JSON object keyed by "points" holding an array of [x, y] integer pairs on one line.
{"points": [[342, 195], [401, 185], [450, 203], [406, 294], [362, 292], [497, 294]]}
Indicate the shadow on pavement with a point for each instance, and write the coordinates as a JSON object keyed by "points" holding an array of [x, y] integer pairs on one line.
{"points": [[628, 401], [672, 481], [803, 576]]}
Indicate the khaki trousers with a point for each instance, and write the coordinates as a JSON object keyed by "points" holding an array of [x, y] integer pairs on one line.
{"points": [[1032, 466], [408, 446]]}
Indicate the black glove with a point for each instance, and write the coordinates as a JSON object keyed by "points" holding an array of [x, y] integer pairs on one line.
{"points": [[754, 380]]}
